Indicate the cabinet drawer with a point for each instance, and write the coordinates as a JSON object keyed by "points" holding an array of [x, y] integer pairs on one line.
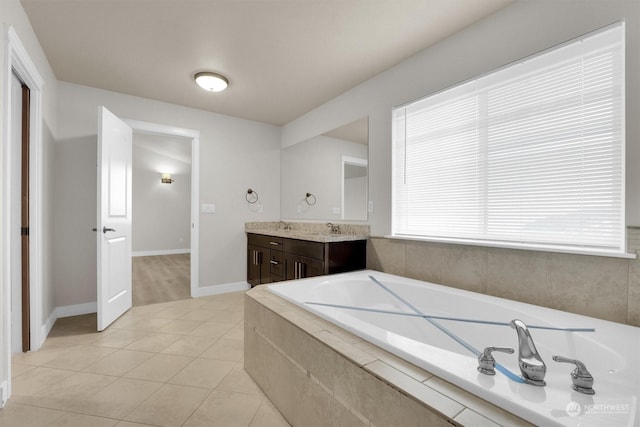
{"points": [[304, 248], [276, 260], [270, 242]]}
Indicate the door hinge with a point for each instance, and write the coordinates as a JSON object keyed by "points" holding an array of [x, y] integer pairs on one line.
{"points": [[24, 231]]}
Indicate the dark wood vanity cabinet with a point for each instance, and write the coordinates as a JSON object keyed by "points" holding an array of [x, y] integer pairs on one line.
{"points": [[271, 259], [264, 259]]}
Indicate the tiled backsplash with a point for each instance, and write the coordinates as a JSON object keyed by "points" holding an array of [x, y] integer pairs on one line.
{"points": [[603, 287]]}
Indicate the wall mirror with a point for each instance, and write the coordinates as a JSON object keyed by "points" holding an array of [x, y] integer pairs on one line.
{"points": [[334, 168]]}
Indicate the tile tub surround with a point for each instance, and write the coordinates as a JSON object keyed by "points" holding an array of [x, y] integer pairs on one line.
{"points": [[602, 287], [318, 374], [312, 231]]}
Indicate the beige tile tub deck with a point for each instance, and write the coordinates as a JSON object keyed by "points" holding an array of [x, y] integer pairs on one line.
{"points": [[317, 374]]}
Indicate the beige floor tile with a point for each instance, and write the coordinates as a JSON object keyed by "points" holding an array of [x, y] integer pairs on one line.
{"points": [[170, 406], [180, 327], [153, 343], [200, 315], [18, 369], [189, 346], [226, 316], [161, 367], [225, 349], [79, 420], [149, 324], [67, 394], [117, 399], [78, 357], [213, 329], [156, 366], [119, 363], [239, 381], [37, 381], [118, 338], [173, 312], [130, 424], [236, 333], [206, 373], [17, 415], [268, 416], [225, 409]]}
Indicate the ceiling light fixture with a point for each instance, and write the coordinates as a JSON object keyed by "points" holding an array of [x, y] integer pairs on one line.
{"points": [[212, 82]]}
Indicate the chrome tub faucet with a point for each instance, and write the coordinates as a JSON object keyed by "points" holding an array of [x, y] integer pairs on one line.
{"points": [[532, 366]]}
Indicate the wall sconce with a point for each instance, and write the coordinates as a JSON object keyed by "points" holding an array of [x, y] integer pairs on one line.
{"points": [[166, 178]]}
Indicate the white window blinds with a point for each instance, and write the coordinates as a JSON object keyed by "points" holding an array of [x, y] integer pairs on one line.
{"points": [[532, 154]]}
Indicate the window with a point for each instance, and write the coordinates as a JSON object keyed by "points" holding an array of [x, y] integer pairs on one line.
{"points": [[531, 155]]}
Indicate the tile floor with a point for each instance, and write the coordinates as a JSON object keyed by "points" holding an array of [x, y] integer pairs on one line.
{"points": [[178, 363]]}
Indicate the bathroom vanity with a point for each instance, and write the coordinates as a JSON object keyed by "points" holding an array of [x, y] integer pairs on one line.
{"points": [[274, 255]]}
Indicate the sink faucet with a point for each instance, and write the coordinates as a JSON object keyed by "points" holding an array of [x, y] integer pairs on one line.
{"points": [[335, 228], [285, 226], [531, 365]]}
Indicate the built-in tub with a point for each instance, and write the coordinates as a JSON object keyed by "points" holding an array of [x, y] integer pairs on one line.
{"points": [[611, 353]]}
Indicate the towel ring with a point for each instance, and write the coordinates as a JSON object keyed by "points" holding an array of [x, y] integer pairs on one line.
{"points": [[310, 199], [251, 196]]}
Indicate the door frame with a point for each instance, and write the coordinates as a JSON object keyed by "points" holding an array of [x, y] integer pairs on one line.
{"points": [[19, 62], [194, 135]]}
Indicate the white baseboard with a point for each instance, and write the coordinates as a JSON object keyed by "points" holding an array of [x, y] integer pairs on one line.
{"points": [[46, 328], [221, 289], [4, 393], [161, 252]]}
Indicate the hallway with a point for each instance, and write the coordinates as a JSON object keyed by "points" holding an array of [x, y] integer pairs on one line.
{"points": [[161, 278]]}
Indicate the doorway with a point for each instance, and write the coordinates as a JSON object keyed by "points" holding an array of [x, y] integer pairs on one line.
{"points": [[19, 216], [161, 246], [184, 145]]}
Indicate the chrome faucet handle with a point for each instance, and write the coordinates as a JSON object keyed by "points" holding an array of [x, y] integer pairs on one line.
{"points": [[335, 228], [580, 376], [486, 362]]}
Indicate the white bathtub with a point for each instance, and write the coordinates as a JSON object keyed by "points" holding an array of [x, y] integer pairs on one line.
{"points": [[611, 353]]}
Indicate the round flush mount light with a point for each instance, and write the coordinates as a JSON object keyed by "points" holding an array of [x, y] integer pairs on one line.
{"points": [[212, 82]]}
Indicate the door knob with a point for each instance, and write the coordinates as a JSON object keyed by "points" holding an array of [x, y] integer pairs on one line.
{"points": [[105, 229]]}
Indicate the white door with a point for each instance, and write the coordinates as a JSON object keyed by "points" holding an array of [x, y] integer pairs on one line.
{"points": [[114, 217]]}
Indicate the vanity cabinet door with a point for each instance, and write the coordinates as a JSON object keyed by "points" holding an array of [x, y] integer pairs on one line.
{"points": [[299, 267], [257, 265], [277, 266]]}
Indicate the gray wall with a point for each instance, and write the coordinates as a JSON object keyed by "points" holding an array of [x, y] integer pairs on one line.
{"points": [[235, 154], [161, 212], [602, 287]]}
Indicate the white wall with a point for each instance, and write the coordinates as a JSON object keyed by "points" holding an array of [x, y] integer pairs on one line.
{"points": [[161, 212], [517, 31], [13, 15], [235, 154]]}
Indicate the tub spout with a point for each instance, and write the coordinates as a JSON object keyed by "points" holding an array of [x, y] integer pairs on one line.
{"points": [[531, 365]]}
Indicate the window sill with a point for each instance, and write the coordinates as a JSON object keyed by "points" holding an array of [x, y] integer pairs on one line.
{"points": [[514, 245]]}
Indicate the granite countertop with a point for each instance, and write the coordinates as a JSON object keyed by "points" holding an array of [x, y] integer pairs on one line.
{"points": [[313, 232]]}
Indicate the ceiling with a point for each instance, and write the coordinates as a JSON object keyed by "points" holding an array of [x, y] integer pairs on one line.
{"points": [[282, 57]]}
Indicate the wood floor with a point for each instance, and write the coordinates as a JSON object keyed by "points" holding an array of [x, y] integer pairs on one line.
{"points": [[161, 278]]}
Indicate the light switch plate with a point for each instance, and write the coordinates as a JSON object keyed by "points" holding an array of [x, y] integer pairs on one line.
{"points": [[208, 208]]}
